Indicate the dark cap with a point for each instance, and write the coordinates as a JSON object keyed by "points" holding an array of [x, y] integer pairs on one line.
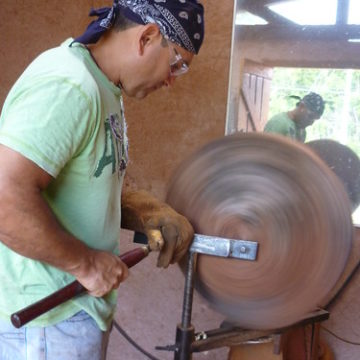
{"points": [[314, 102]]}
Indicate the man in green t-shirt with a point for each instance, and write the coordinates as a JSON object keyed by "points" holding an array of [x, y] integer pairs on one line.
{"points": [[63, 155], [293, 123]]}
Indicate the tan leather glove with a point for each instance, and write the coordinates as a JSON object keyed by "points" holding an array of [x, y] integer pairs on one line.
{"points": [[143, 212]]}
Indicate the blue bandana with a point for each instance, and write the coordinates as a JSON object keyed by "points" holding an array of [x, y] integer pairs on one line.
{"points": [[180, 21]]}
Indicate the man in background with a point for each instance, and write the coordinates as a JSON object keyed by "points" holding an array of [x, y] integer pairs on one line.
{"points": [[293, 123]]}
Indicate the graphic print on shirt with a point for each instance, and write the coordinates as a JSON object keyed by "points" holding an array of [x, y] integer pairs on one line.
{"points": [[115, 147]]}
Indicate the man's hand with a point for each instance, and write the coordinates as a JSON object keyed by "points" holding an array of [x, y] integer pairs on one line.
{"points": [[102, 272], [142, 212]]}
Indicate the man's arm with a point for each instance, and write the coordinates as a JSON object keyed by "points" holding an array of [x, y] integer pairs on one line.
{"points": [[28, 227]]}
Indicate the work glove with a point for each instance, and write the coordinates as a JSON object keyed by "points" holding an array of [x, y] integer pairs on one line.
{"points": [[142, 212]]}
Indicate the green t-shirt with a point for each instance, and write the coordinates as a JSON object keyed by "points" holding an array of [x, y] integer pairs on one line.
{"points": [[66, 116], [283, 125]]}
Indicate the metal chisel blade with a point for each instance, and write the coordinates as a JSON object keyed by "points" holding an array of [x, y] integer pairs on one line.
{"points": [[218, 246]]}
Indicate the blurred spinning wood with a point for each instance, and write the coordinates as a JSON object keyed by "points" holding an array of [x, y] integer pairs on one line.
{"points": [[272, 190]]}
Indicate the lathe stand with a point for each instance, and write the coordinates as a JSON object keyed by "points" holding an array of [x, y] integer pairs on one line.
{"points": [[187, 341]]}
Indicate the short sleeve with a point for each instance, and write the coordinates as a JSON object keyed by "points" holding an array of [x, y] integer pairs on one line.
{"points": [[277, 125], [48, 122]]}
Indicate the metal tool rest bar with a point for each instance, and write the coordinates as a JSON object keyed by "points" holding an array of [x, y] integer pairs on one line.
{"points": [[209, 245]]}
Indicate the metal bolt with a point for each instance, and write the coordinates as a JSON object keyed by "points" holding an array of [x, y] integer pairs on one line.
{"points": [[201, 336]]}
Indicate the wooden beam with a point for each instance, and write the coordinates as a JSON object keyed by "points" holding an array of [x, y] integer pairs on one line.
{"points": [[260, 9], [299, 32]]}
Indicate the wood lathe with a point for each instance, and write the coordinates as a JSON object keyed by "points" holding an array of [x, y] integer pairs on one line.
{"points": [[278, 193]]}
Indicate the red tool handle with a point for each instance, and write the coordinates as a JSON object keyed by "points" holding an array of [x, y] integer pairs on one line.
{"points": [[31, 312]]}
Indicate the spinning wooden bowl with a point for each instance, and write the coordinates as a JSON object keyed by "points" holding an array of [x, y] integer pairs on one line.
{"points": [[277, 192]]}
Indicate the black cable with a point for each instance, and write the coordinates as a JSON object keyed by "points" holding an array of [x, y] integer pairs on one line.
{"points": [[342, 288], [132, 342], [340, 338]]}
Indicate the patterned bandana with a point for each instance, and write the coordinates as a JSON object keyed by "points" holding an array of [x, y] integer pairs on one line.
{"points": [[313, 102], [180, 21]]}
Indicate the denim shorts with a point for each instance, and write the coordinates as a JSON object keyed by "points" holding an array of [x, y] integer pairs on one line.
{"points": [[78, 337]]}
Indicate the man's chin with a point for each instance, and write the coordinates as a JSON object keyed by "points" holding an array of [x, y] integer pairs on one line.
{"points": [[139, 94], [144, 93], [135, 94], [301, 125]]}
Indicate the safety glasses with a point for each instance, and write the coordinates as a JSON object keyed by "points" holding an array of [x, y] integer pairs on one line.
{"points": [[177, 64]]}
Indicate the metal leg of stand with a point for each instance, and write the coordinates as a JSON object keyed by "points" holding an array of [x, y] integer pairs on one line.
{"points": [[185, 331], [315, 337]]}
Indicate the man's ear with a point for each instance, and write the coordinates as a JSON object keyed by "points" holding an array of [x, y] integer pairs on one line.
{"points": [[150, 33]]}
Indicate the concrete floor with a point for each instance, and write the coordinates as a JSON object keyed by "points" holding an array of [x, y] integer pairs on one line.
{"points": [[149, 308]]}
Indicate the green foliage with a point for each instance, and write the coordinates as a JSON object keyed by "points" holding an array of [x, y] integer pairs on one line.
{"points": [[336, 86]]}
